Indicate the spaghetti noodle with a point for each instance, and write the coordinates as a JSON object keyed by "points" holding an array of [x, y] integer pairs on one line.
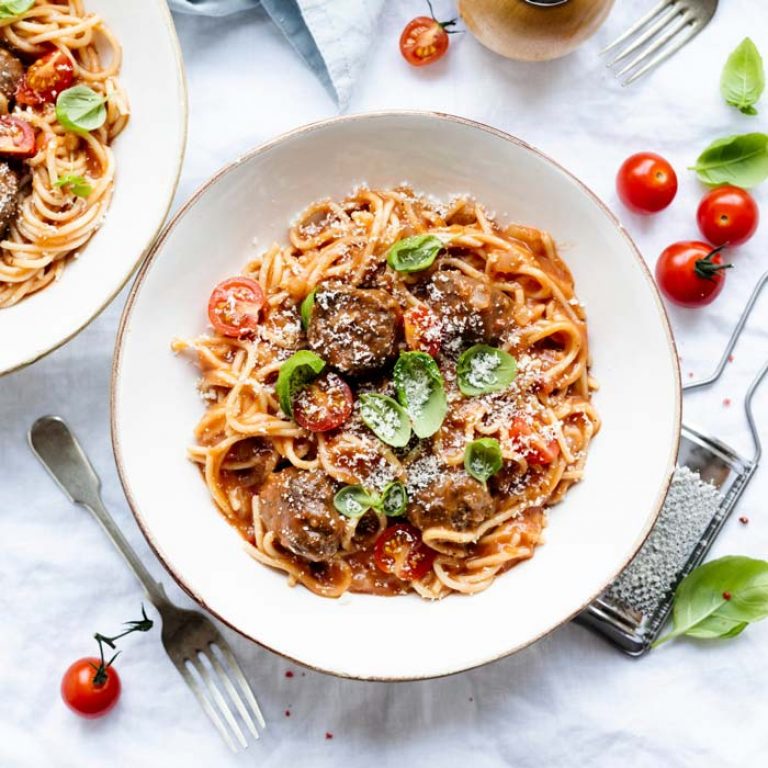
{"points": [[277, 478], [65, 187]]}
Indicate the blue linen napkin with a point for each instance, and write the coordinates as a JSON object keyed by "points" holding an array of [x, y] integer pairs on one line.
{"points": [[332, 36]]}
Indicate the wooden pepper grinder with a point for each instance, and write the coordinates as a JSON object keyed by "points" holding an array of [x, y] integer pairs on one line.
{"points": [[533, 30]]}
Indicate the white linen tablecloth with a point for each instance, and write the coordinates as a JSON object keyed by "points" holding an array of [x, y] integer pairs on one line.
{"points": [[570, 700]]}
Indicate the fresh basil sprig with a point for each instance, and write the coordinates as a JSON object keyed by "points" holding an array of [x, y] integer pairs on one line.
{"points": [[354, 501], [483, 459], [10, 9], [80, 109], [394, 499], [482, 369], [386, 418], [77, 185], [720, 598], [739, 160], [296, 372], [306, 308], [421, 391], [743, 79], [414, 254]]}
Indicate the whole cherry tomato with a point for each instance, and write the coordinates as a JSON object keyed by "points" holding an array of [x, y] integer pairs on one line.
{"points": [[728, 215], [646, 183], [234, 306], [691, 273], [88, 691]]}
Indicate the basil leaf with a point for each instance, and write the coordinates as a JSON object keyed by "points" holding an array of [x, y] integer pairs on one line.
{"points": [[482, 458], [10, 9], [353, 501], [719, 598], [296, 372], [739, 160], [394, 499], [420, 390], [482, 369], [80, 109], [413, 254], [743, 79], [306, 308], [386, 418], [77, 185]]}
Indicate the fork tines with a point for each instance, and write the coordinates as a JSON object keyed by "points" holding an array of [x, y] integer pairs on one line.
{"points": [[654, 38], [209, 673]]}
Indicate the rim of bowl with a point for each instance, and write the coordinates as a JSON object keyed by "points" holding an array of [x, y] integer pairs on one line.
{"points": [[266, 146], [148, 248]]}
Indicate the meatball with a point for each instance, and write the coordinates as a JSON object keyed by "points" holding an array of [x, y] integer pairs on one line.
{"points": [[9, 189], [297, 505], [470, 311], [11, 72], [452, 499], [354, 329], [249, 462]]}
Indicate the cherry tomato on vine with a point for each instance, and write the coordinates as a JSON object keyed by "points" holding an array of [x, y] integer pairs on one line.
{"points": [[324, 404], [691, 273], [728, 215], [89, 692], [646, 183], [234, 306], [399, 550], [425, 39]]}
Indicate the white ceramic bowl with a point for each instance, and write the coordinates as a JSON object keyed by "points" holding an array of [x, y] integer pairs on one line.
{"points": [[591, 536], [148, 156]]}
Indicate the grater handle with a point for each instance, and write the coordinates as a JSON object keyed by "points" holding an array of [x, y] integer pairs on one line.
{"points": [[750, 417], [715, 375]]}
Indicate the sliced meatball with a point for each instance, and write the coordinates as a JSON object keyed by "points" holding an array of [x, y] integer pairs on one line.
{"points": [[297, 505], [451, 499], [9, 190], [354, 329], [11, 72], [470, 310]]}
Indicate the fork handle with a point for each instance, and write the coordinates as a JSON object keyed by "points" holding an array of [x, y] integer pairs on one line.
{"points": [[60, 453]]}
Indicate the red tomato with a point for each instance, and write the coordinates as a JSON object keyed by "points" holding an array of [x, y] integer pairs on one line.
{"points": [[17, 138], [728, 215], [324, 404], [400, 551], [536, 450], [646, 183], [46, 78], [86, 697], [234, 306], [690, 273], [424, 40], [422, 330]]}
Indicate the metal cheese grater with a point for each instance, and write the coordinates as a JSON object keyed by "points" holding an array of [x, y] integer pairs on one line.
{"points": [[709, 480]]}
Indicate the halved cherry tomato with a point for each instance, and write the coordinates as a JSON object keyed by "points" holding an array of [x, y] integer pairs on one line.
{"points": [[323, 404], [728, 215], [83, 695], [536, 451], [46, 78], [400, 551], [691, 273], [424, 40], [422, 330], [234, 306], [646, 183], [17, 138]]}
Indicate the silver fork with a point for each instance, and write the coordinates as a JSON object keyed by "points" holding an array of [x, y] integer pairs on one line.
{"points": [[190, 639], [664, 30]]}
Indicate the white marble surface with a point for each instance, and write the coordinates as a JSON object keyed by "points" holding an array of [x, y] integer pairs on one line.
{"points": [[570, 700]]}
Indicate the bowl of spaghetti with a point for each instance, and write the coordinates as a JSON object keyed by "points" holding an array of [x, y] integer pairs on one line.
{"points": [[92, 134], [395, 375]]}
